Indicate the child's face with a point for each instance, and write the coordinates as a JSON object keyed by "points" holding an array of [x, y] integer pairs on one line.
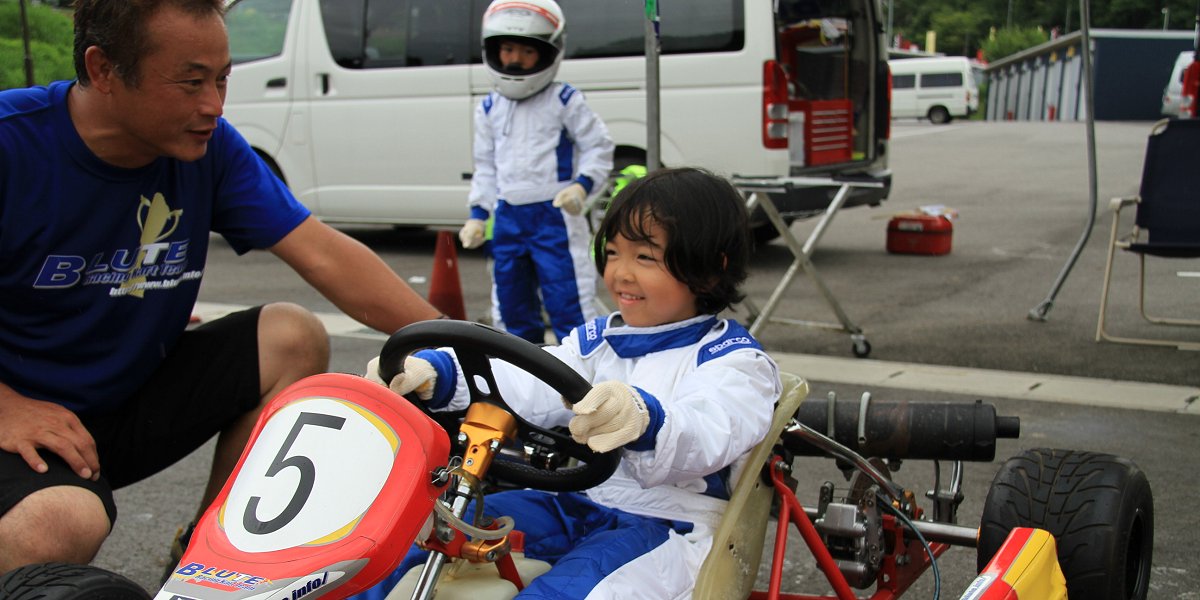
{"points": [[638, 280], [515, 53]]}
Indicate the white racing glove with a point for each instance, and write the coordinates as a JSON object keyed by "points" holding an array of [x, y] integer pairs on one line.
{"points": [[611, 415], [571, 198], [471, 234], [419, 376]]}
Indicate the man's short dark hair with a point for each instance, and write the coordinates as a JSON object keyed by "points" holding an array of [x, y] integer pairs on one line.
{"points": [[704, 219], [118, 27]]}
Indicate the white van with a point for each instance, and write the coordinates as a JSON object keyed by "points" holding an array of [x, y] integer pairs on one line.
{"points": [[1173, 92], [938, 88], [364, 108]]}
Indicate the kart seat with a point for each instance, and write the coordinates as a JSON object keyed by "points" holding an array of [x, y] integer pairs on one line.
{"points": [[731, 568], [729, 571]]}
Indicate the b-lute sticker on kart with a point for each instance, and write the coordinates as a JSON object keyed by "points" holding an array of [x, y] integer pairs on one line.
{"points": [[332, 489]]}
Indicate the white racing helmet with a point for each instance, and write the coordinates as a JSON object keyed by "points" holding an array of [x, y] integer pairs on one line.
{"points": [[539, 23]]}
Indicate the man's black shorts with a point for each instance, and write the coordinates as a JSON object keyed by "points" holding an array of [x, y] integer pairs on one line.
{"points": [[206, 382]]}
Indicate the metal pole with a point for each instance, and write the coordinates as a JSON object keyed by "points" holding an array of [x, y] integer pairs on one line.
{"points": [[890, 36], [1196, 44], [25, 39], [653, 129], [1039, 312], [1166, 13], [1010, 14]]}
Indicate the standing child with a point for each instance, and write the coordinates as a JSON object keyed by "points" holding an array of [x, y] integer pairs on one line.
{"points": [[539, 151], [682, 394]]}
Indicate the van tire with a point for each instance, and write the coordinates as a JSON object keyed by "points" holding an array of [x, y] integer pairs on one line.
{"points": [[938, 115]]}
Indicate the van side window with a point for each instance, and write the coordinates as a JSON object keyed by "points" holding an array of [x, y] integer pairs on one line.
{"points": [[396, 33], [257, 29], [343, 21], [929, 80], [688, 27], [903, 82]]}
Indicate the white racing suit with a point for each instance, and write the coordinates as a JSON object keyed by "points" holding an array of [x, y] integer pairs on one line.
{"points": [[525, 152], [710, 390]]}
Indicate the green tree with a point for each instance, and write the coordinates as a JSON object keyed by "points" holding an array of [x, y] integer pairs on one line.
{"points": [[51, 37], [959, 32], [1011, 41], [962, 23]]}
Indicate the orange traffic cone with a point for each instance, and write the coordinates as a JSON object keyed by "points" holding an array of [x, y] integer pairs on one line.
{"points": [[445, 287]]}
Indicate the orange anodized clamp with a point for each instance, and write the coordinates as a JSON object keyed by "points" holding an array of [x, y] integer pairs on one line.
{"points": [[486, 427]]}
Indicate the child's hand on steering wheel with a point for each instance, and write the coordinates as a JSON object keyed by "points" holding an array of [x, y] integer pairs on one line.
{"points": [[611, 415], [418, 376]]}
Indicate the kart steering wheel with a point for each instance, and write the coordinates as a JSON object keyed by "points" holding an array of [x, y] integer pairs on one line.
{"points": [[473, 344]]}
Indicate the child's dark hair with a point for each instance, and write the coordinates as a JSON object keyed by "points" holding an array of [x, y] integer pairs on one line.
{"points": [[704, 219]]}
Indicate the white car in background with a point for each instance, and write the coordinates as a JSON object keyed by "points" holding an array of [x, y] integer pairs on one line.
{"points": [[1173, 93]]}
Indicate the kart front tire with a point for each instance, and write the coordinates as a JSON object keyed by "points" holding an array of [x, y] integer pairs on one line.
{"points": [[63, 581], [1098, 507]]}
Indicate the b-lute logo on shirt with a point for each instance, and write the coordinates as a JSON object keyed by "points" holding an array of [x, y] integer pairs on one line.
{"points": [[153, 216], [153, 264]]}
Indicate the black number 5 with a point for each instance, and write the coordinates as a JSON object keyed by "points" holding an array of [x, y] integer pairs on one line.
{"points": [[308, 472]]}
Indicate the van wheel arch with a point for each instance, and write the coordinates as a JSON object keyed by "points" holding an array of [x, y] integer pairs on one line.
{"points": [[624, 156], [271, 164]]}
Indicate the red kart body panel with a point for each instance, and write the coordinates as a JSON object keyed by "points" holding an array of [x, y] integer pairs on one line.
{"points": [[1025, 567], [332, 489]]}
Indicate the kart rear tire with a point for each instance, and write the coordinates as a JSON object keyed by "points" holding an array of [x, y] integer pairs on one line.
{"points": [[63, 581], [1098, 507]]}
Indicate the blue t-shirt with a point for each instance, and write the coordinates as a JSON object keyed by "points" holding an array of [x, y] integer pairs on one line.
{"points": [[99, 265]]}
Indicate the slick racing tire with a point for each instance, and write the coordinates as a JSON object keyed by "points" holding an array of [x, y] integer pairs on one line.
{"points": [[62, 581], [1097, 506]]}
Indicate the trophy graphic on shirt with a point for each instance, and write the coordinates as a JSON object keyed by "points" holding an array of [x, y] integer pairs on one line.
{"points": [[153, 217]]}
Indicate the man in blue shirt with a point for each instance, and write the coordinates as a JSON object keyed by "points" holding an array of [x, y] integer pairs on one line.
{"points": [[109, 187]]}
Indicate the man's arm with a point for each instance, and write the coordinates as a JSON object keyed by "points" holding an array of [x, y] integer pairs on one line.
{"points": [[27, 424], [352, 276]]}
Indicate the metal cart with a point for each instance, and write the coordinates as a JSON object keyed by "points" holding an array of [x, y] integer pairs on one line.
{"points": [[757, 192]]}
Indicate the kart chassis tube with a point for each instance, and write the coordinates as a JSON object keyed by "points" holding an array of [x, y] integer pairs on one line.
{"points": [[791, 512], [933, 531]]}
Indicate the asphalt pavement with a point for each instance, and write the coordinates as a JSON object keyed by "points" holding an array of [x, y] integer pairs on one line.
{"points": [[942, 328]]}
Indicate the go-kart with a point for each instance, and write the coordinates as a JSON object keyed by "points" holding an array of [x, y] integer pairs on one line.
{"points": [[341, 477]]}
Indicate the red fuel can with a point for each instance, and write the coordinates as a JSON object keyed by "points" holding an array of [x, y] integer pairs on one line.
{"points": [[919, 234]]}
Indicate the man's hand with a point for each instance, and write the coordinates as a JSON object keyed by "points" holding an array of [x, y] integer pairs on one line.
{"points": [[611, 415], [418, 376], [571, 198], [27, 424], [471, 235]]}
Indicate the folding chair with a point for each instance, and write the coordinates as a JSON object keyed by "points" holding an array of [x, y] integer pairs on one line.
{"points": [[1168, 214]]}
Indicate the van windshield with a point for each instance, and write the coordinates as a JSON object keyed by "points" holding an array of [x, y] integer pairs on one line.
{"points": [[257, 29]]}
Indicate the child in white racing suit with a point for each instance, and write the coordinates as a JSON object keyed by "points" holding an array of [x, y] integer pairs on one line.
{"points": [[682, 394], [539, 152]]}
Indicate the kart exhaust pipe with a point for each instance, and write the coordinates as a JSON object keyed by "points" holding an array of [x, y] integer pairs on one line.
{"points": [[904, 430]]}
